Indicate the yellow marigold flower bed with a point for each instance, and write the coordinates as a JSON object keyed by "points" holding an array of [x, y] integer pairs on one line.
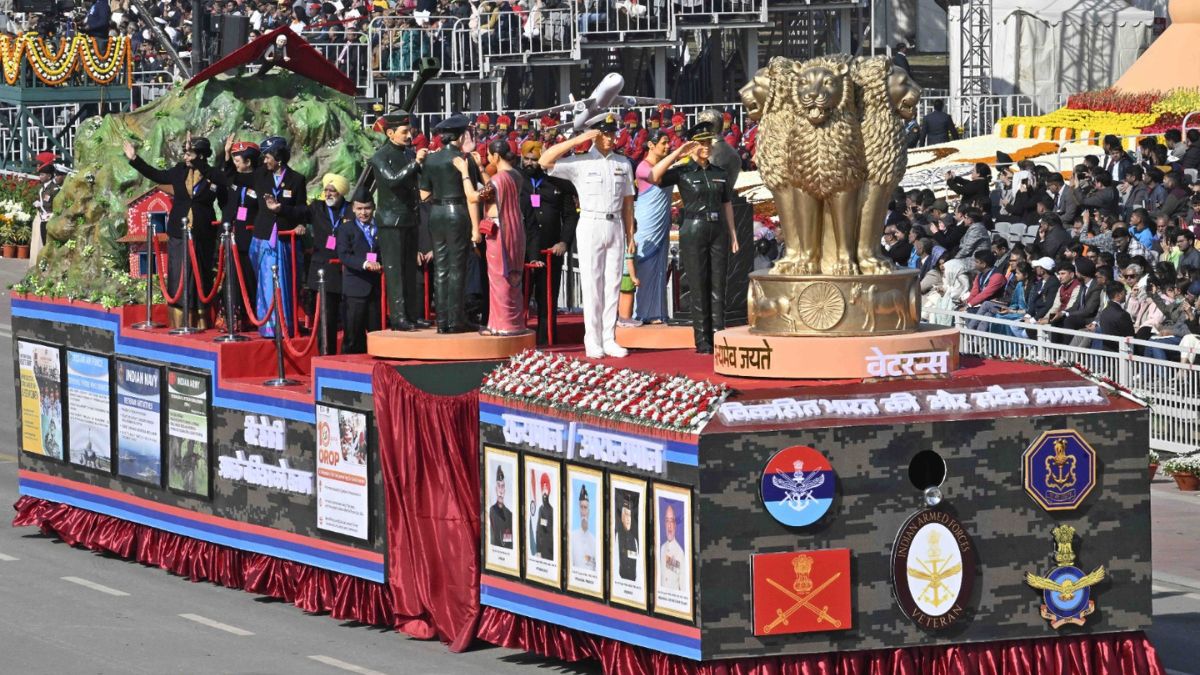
{"points": [[1066, 124]]}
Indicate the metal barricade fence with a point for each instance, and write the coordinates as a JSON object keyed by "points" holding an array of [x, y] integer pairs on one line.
{"points": [[702, 13], [625, 20], [148, 85], [59, 122], [1161, 374], [977, 115], [537, 33], [352, 58], [397, 45]]}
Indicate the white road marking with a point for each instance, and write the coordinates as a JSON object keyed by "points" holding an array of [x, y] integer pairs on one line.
{"points": [[216, 624], [348, 667], [95, 586], [7, 558]]}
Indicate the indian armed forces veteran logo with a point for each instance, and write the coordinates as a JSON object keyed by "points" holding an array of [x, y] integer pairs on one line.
{"points": [[797, 486], [933, 569], [801, 591], [1060, 470]]}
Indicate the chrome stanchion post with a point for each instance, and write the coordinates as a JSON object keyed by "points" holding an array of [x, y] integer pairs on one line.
{"points": [[323, 324], [231, 318], [281, 379], [187, 328], [151, 269]]}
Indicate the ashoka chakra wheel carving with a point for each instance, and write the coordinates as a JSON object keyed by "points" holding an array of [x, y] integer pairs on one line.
{"points": [[821, 305]]}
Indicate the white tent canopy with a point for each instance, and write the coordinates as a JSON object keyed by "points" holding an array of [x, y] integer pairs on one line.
{"points": [[1041, 49]]}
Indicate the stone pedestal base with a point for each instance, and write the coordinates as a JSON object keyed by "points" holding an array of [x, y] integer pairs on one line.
{"points": [[429, 345], [879, 304], [740, 352], [658, 336]]}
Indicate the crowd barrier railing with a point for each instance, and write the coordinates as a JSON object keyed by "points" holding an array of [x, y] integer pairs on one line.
{"points": [[397, 45], [544, 33], [702, 13], [625, 20], [1163, 375]]}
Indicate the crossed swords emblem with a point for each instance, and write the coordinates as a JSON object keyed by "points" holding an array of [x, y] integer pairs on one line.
{"points": [[782, 616]]}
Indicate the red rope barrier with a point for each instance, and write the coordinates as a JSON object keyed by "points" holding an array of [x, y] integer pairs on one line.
{"points": [[205, 298], [312, 338], [162, 278], [237, 264]]}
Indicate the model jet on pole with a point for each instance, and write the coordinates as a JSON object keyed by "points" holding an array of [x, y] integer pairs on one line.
{"points": [[606, 95]]}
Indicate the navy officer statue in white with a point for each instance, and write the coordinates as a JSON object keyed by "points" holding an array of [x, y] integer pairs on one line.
{"points": [[604, 236], [358, 249], [706, 235]]}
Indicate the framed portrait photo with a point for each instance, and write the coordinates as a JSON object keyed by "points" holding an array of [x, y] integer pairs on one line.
{"points": [[627, 530], [673, 563], [40, 381], [502, 529], [585, 535], [543, 533]]}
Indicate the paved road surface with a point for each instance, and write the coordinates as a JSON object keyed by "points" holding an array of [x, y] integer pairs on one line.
{"points": [[68, 611]]}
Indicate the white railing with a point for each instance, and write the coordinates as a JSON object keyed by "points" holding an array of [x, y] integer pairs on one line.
{"points": [[352, 58], [1161, 374], [56, 122], [540, 33], [148, 85], [977, 115], [647, 20], [399, 43], [707, 13]]}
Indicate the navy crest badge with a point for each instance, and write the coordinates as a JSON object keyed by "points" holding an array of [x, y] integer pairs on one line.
{"points": [[1066, 590], [1060, 470]]}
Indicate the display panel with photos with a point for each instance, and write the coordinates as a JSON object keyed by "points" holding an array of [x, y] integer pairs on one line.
{"points": [[343, 472], [139, 421], [627, 529], [189, 437], [40, 367], [502, 529], [673, 563], [585, 531], [542, 521], [89, 411]]}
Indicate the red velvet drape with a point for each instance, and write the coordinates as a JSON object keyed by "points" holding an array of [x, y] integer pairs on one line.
{"points": [[429, 452], [1108, 654]]}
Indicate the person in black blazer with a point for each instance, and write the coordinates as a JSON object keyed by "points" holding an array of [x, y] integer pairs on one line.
{"points": [[1114, 320], [1044, 289], [358, 249], [238, 209], [282, 207], [326, 216], [552, 227], [1085, 308], [937, 126], [193, 197], [974, 190]]}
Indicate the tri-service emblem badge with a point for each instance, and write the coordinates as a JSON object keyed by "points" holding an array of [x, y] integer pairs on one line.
{"points": [[797, 486], [933, 569]]}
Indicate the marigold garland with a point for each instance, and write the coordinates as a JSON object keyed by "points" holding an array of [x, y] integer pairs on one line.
{"points": [[53, 67]]}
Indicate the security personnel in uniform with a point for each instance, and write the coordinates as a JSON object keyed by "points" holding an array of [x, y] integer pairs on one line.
{"points": [[395, 178], [556, 213], [453, 222], [706, 235], [604, 182]]}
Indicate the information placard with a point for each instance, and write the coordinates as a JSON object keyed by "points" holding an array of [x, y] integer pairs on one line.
{"points": [[139, 421], [188, 438], [343, 483], [89, 406], [41, 399]]}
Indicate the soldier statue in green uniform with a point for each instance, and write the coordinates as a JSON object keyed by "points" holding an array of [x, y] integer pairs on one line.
{"points": [[396, 172], [706, 235], [448, 178]]}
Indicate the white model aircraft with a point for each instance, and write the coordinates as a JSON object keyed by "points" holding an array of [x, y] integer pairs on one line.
{"points": [[606, 95]]}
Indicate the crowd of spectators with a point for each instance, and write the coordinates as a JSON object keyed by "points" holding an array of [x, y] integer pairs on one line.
{"points": [[1113, 255]]}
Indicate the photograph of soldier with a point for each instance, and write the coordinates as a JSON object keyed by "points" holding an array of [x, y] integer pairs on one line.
{"points": [[543, 554], [503, 545], [673, 551], [627, 573], [585, 545]]}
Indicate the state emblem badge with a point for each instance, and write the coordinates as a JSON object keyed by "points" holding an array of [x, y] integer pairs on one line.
{"points": [[1060, 470], [933, 569], [801, 591], [797, 486], [1066, 590]]}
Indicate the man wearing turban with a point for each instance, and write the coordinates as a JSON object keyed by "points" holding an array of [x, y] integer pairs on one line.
{"points": [[326, 215]]}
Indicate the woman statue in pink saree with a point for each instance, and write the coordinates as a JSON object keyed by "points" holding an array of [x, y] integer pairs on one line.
{"points": [[505, 241]]}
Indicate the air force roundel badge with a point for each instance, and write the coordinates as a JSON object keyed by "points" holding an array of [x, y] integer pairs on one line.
{"points": [[797, 486]]}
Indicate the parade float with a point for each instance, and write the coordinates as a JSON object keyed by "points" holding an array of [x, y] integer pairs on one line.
{"points": [[835, 489]]}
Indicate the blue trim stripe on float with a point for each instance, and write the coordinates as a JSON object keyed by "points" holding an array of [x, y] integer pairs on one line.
{"points": [[630, 633], [676, 452], [203, 532], [342, 380], [79, 315]]}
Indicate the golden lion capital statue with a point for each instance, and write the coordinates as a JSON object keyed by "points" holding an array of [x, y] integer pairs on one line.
{"points": [[831, 149]]}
